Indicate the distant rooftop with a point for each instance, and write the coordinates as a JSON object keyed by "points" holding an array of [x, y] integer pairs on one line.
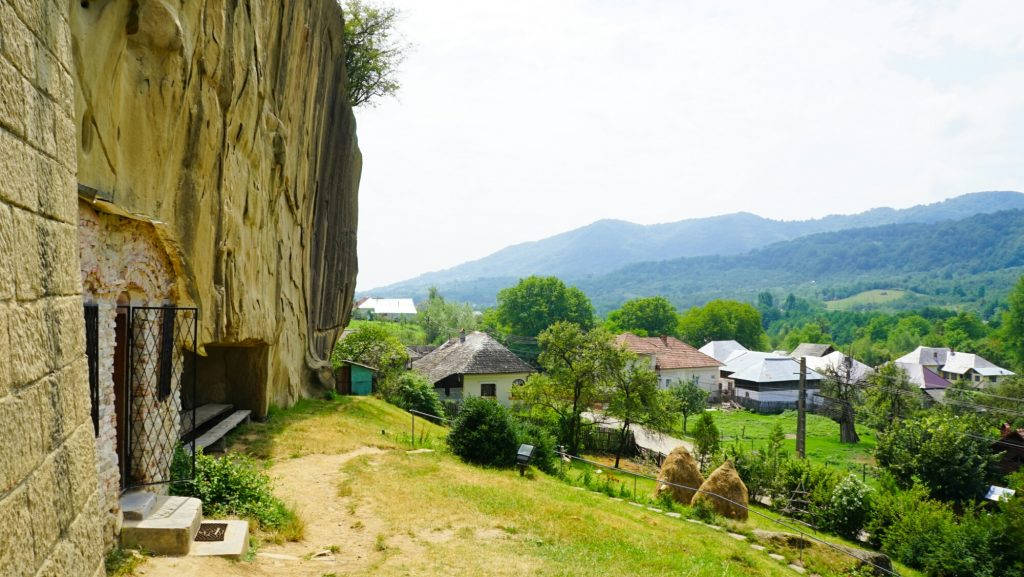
{"points": [[668, 352], [721, 350], [476, 354], [401, 306]]}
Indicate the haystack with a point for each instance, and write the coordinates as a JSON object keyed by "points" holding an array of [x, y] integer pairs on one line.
{"points": [[725, 481], [680, 468]]}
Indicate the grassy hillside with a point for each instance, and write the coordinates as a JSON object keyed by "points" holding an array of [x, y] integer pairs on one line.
{"points": [[372, 507], [868, 298], [607, 245]]}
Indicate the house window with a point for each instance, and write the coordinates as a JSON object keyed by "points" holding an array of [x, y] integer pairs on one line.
{"points": [[992, 379], [488, 390]]}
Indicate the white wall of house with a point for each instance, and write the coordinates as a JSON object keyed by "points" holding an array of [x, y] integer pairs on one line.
{"points": [[707, 378], [787, 396], [471, 385]]}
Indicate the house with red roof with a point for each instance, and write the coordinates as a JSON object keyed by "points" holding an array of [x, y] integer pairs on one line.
{"points": [[675, 362]]}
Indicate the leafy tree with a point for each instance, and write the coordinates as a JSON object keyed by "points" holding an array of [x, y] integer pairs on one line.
{"points": [[536, 303], [484, 433], [443, 319], [414, 392], [651, 316], [689, 399], [373, 345], [809, 333], [372, 55], [1013, 324], [706, 439], [841, 388], [722, 320], [570, 384], [890, 396], [950, 454], [633, 395]]}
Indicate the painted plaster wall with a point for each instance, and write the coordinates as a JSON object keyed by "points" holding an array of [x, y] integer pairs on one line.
{"points": [[49, 492], [503, 385]]}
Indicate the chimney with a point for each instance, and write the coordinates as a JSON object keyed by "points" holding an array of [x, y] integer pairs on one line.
{"points": [[462, 336], [664, 340]]}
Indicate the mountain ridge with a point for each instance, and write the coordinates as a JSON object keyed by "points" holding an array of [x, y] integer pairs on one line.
{"points": [[608, 245]]}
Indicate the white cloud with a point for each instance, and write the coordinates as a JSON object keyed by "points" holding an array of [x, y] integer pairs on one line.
{"points": [[518, 120]]}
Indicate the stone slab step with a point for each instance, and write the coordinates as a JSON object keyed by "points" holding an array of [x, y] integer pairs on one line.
{"points": [[205, 415], [168, 529], [137, 505], [234, 545], [214, 435]]}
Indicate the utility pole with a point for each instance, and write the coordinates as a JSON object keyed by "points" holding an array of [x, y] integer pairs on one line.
{"points": [[801, 411]]}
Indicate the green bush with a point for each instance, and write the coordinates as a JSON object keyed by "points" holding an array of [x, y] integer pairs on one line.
{"points": [[801, 480], [484, 434], [544, 457], [413, 392], [918, 529], [231, 485], [849, 507]]}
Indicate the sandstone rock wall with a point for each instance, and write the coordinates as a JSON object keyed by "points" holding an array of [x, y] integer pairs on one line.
{"points": [[49, 498], [224, 123]]}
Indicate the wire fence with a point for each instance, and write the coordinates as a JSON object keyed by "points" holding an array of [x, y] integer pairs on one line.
{"points": [[440, 420], [803, 534]]}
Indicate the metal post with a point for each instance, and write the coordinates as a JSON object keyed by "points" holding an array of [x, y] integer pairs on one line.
{"points": [[634, 487], [413, 415], [801, 414]]}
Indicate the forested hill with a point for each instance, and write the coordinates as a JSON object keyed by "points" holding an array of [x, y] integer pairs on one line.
{"points": [[951, 261], [607, 245]]}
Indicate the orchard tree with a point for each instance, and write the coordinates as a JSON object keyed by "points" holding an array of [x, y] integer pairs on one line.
{"points": [[950, 454], [841, 390], [372, 53], [570, 385], [633, 394], [689, 399], [536, 303], [721, 320], [442, 319], [890, 396], [706, 440], [650, 316]]}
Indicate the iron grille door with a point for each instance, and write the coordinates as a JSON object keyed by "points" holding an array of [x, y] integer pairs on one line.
{"points": [[160, 396]]}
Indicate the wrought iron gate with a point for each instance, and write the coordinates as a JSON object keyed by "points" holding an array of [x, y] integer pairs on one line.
{"points": [[160, 396]]}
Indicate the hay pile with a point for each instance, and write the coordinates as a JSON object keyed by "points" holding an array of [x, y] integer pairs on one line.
{"points": [[725, 481], [680, 468]]}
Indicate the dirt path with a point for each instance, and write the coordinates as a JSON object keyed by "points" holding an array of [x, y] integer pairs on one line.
{"points": [[311, 484]]}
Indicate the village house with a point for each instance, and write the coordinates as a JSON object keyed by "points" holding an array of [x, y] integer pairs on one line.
{"points": [[675, 362], [931, 384], [768, 382], [474, 365], [953, 365], [839, 365], [722, 350], [384, 309], [812, 350]]}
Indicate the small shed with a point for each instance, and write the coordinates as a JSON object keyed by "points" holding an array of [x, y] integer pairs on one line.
{"points": [[355, 378]]}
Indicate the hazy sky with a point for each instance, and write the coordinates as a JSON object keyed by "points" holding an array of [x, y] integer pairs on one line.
{"points": [[518, 120]]}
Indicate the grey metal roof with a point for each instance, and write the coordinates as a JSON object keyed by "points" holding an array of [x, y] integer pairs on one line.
{"points": [[478, 354], [834, 361], [960, 363], [721, 350], [811, 350], [773, 370], [925, 356]]}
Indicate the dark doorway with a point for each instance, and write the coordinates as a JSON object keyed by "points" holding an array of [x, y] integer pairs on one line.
{"points": [[234, 375]]}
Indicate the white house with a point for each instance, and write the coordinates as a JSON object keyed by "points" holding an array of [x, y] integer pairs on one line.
{"points": [[722, 350], [675, 361], [769, 378], [952, 365], [371, 307], [473, 365]]}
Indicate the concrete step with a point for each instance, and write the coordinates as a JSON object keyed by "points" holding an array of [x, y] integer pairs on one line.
{"points": [[166, 530], [213, 438], [205, 415], [233, 545], [137, 504]]}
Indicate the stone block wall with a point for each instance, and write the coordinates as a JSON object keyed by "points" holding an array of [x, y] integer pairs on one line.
{"points": [[49, 498]]}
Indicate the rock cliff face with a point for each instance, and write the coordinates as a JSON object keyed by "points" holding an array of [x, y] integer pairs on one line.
{"points": [[225, 124]]}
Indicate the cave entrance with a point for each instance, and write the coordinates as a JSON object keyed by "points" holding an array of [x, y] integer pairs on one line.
{"points": [[233, 375]]}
